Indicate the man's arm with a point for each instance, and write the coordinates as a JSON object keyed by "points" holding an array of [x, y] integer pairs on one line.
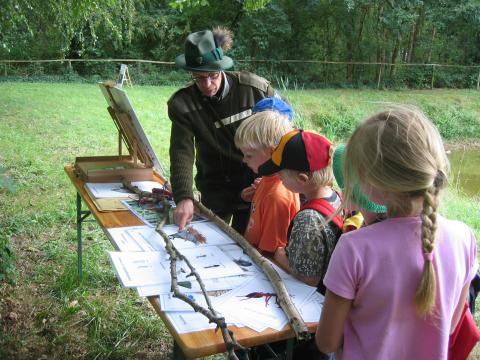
{"points": [[182, 152], [183, 213]]}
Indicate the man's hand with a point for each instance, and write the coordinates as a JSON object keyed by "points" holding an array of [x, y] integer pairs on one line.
{"points": [[247, 193], [183, 213]]}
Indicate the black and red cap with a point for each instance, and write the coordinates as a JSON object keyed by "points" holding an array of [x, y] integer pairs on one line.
{"points": [[300, 150]]}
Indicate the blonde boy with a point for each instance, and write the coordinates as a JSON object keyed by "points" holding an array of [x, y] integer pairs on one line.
{"points": [[303, 163], [273, 206]]}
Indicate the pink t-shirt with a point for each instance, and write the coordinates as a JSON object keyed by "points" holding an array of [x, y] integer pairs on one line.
{"points": [[379, 267]]}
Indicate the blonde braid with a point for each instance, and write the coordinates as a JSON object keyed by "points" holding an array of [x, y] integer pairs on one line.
{"points": [[425, 295]]}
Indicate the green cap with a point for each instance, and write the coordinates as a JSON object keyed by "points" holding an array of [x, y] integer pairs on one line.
{"points": [[358, 196]]}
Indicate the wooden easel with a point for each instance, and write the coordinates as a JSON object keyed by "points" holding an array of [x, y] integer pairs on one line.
{"points": [[139, 163], [123, 76]]}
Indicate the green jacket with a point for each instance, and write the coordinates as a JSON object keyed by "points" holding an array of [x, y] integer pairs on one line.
{"points": [[203, 130]]}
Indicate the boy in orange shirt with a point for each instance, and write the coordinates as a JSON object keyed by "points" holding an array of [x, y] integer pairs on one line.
{"points": [[273, 206]]}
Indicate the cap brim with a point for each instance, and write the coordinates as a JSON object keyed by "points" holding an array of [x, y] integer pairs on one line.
{"points": [[358, 195], [224, 64], [363, 202], [337, 164], [268, 168]]}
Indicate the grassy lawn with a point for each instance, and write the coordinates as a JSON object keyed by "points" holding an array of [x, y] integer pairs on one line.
{"points": [[45, 126]]}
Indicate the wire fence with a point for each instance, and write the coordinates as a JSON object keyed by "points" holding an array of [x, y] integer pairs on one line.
{"points": [[284, 73]]}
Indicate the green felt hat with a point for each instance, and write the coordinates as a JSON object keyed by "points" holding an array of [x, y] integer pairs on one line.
{"points": [[358, 196], [202, 54]]}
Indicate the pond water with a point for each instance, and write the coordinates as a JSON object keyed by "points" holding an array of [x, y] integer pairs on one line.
{"points": [[465, 171]]}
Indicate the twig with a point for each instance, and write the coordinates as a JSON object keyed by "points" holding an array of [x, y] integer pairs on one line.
{"points": [[210, 313]]}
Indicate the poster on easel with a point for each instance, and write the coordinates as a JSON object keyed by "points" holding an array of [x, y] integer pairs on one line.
{"points": [[131, 131]]}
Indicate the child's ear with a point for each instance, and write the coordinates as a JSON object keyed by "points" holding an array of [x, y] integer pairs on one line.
{"points": [[303, 178]]}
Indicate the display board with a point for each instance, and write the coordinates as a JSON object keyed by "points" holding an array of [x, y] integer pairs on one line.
{"points": [[130, 130]]}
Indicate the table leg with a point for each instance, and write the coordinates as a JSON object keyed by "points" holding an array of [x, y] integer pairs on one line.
{"points": [[81, 215], [177, 352], [289, 350]]}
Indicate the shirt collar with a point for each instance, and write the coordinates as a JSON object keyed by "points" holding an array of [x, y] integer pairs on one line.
{"points": [[226, 86]]}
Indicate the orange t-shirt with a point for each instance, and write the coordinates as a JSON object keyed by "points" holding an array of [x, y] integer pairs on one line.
{"points": [[272, 209]]}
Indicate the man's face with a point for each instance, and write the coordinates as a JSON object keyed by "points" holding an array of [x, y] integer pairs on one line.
{"points": [[209, 83]]}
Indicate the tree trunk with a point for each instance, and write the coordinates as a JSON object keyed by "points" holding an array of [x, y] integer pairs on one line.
{"points": [[358, 52], [417, 28], [429, 57], [393, 59]]}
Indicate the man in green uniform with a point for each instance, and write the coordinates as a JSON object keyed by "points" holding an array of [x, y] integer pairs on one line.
{"points": [[205, 115]]}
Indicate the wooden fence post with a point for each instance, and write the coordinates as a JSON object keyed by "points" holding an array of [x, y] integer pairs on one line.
{"points": [[433, 76], [478, 80], [379, 76]]}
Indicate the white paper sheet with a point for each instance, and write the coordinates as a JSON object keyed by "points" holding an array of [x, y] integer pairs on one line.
{"points": [[151, 268], [312, 308], [216, 284], [184, 322], [212, 233], [260, 312], [116, 190], [236, 254], [154, 290], [210, 262], [136, 238], [143, 268], [170, 303]]}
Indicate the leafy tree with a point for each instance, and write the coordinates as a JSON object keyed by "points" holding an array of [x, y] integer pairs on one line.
{"points": [[384, 31], [37, 29]]}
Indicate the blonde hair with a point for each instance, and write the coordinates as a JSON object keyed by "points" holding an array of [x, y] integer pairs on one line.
{"points": [[322, 177], [262, 130], [400, 151]]}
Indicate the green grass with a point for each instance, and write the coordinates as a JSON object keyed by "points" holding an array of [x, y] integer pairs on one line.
{"points": [[336, 112], [45, 126]]}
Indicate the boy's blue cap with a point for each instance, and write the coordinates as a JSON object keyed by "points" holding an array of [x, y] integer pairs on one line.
{"points": [[274, 103]]}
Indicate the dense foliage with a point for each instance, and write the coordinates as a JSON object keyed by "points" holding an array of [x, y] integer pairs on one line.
{"points": [[399, 33]]}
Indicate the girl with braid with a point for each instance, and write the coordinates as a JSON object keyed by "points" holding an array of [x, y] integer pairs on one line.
{"points": [[396, 289]]}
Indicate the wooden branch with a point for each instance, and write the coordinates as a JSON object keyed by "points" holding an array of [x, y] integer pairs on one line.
{"points": [[294, 317], [210, 313]]}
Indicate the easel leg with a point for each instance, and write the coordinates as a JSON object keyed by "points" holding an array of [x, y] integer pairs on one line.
{"points": [[177, 352], [81, 215]]}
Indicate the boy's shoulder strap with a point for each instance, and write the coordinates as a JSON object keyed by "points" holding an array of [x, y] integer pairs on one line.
{"points": [[326, 209]]}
